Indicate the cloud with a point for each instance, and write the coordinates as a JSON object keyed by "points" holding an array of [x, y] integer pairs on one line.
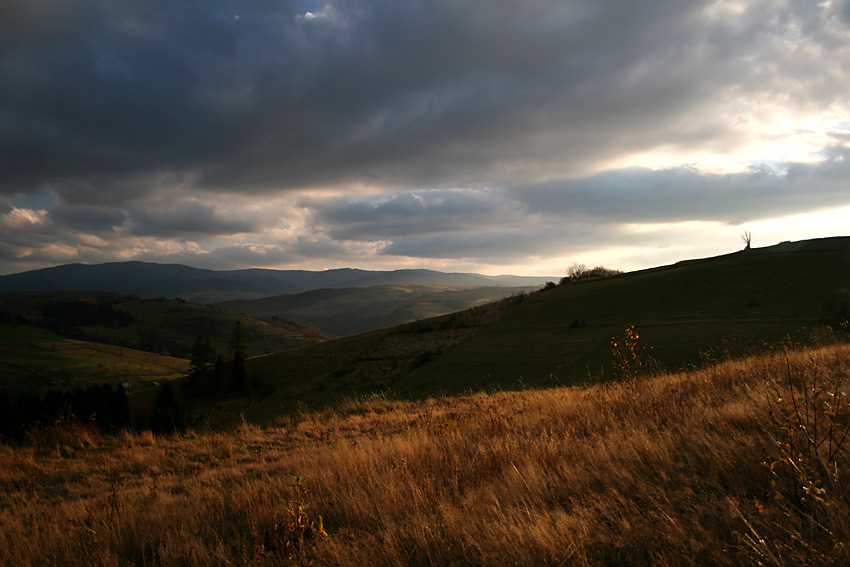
{"points": [[473, 225], [557, 216], [686, 193], [408, 214], [94, 219], [407, 129], [371, 92], [309, 252], [168, 219]]}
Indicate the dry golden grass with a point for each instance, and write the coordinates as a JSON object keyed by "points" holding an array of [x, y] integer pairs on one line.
{"points": [[664, 470]]}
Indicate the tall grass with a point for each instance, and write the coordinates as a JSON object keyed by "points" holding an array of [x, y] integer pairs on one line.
{"points": [[673, 469]]}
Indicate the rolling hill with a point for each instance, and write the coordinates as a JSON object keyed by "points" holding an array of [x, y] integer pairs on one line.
{"points": [[352, 310], [36, 359], [143, 279], [687, 312], [741, 461], [62, 337]]}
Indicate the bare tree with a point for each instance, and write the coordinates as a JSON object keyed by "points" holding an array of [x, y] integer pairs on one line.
{"points": [[747, 237], [577, 270]]}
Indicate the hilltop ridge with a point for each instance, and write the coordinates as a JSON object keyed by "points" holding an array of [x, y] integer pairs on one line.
{"points": [[735, 304]]}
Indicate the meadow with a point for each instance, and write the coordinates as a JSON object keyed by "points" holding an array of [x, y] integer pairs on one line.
{"points": [[741, 462], [35, 358]]}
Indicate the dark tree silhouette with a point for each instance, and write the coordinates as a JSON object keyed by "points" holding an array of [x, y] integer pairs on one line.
{"points": [[204, 355], [239, 350], [238, 341], [167, 412], [100, 405]]}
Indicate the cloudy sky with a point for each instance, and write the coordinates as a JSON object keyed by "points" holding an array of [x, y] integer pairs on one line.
{"points": [[506, 136]]}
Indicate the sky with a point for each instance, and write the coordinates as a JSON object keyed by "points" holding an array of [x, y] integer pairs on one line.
{"points": [[506, 136]]}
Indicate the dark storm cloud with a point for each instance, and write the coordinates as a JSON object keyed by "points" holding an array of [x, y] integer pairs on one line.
{"points": [[255, 94], [90, 219], [504, 245], [409, 213], [301, 249], [110, 92], [194, 219]]}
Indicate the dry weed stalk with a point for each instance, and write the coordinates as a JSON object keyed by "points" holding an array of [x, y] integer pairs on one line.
{"points": [[809, 419]]}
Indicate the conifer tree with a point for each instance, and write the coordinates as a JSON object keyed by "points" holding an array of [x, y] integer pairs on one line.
{"points": [[167, 412], [239, 349], [204, 355], [238, 342]]}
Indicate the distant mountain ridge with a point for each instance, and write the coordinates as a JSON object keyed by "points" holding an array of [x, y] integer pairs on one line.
{"points": [[147, 279]]}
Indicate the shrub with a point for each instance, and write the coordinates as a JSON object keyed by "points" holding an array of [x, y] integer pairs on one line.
{"points": [[838, 310], [167, 413], [293, 527], [631, 358], [580, 271]]}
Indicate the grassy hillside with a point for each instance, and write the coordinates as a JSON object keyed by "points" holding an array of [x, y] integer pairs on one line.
{"points": [[32, 358], [155, 324], [349, 311], [60, 339], [696, 468], [321, 374], [731, 304]]}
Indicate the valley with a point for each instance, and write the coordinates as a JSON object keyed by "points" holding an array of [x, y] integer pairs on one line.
{"points": [[695, 413]]}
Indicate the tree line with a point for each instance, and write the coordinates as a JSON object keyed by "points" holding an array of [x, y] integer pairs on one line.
{"points": [[100, 405], [212, 375]]}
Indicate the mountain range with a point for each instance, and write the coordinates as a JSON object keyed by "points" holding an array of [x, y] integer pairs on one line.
{"points": [[148, 280]]}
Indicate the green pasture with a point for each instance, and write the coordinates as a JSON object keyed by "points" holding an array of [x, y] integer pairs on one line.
{"points": [[31, 357]]}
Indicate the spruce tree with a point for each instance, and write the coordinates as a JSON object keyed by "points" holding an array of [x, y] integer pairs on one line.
{"points": [[203, 355], [239, 349], [167, 412]]}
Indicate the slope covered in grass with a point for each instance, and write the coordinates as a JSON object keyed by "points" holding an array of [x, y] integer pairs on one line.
{"points": [[32, 358], [353, 310], [675, 469], [733, 304], [156, 325]]}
